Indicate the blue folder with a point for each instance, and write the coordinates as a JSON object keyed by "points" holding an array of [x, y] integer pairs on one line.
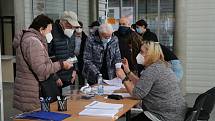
{"points": [[49, 116]]}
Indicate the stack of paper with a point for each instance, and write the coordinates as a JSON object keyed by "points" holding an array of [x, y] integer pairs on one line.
{"points": [[102, 105], [98, 112], [97, 108]]}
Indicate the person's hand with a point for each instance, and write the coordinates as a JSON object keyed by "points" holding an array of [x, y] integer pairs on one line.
{"points": [[74, 76], [59, 83], [125, 65], [67, 65], [120, 74]]}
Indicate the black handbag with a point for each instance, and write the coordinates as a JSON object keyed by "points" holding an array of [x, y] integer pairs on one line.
{"points": [[48, 87]]}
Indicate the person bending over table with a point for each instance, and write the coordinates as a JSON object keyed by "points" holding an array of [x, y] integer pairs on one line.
{"points": [[157, 86], [101, 53]]}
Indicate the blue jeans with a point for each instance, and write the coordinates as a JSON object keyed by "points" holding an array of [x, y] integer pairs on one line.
{"points": [[177, 69]]}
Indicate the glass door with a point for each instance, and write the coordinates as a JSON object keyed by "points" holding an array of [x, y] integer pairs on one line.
{"points": [[160, 16], [118, 9]]}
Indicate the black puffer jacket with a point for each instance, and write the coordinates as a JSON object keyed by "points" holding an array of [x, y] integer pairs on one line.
{"points": [[61, 48], [80, 56]]}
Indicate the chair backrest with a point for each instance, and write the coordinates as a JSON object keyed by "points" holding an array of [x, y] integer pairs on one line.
{"points": [[193, 116], [193, 113], [208, 104]]}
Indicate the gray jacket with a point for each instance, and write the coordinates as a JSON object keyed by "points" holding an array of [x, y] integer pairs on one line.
{"points": [[160, 92], [93, 57]]}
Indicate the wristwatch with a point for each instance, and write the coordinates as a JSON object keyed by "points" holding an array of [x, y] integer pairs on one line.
{"points": [[125, 79]]}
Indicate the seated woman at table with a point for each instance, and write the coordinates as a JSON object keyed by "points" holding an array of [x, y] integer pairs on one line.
{"points": [[157, 86]]}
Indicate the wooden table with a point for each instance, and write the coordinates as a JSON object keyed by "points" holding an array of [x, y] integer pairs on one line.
{"points": [[76, 106]]}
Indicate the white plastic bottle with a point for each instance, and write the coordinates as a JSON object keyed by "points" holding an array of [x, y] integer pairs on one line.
{"points": [[100, 89]]}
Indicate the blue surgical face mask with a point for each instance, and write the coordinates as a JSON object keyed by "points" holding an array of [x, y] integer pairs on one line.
{"points": [[105, 41], [139, 30]]}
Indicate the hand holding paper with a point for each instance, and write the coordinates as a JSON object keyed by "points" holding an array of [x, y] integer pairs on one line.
{"points": [[72, 60]]}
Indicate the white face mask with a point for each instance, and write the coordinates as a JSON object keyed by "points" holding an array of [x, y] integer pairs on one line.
{"points": [[79, 30], [68, 32], [49, 37], [140, 59]]}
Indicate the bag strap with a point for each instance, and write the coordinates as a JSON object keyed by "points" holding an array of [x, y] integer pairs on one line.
{"points": [[29, 67]]}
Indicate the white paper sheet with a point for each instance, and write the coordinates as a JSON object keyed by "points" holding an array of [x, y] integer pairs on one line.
{"points": [[115, 82], [98, 112], [97, 108], [105, 106]]}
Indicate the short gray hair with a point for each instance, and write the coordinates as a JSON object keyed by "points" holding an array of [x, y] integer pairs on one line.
{"points": [[105, 28]]}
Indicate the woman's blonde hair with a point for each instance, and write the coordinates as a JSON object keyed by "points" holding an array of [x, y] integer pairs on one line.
{"points": [[153, 52]]}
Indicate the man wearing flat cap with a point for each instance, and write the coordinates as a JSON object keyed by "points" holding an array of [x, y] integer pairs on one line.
{"points": [[94, 27], [63, 45]]}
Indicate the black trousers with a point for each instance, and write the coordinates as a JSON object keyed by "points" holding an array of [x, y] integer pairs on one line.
{"points": [[140, 117]]}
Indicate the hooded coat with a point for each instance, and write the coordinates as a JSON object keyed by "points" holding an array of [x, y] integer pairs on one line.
{"points": [[26, 87]]}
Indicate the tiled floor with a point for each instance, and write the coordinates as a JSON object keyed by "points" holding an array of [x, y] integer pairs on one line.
{"points": [[10, 112]]}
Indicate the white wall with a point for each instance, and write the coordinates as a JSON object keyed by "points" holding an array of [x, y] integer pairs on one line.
{"points": [[1, 93], [28, 13], [83, 13], [19, 15], [180, 42], [195, 43]]}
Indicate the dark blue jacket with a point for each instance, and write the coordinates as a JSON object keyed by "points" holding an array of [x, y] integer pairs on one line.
{"points": [[61, 48]]}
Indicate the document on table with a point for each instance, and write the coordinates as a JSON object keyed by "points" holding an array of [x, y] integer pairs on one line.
{"points": [[115, 82], [98, 112], [97, 108], [105, 106]]}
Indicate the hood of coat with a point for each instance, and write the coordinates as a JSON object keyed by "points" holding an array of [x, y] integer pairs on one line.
{"points": [[29, 33]]}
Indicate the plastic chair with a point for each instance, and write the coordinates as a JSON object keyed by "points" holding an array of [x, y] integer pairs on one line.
{"points": [[208, 105], [193, 113], [203, 106]]}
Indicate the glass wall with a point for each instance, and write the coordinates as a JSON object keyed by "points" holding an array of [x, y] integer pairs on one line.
{"points": [[118, 9], [50, 8], [127, 9], [55, 9], [163, 26], [161, 21]]}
